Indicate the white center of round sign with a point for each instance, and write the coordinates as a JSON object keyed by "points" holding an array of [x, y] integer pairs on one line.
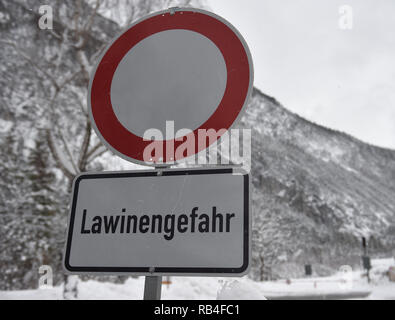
{"points": [[181, 62]]}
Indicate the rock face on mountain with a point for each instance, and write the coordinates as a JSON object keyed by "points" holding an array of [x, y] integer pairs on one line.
{"points": [[316, 193]]}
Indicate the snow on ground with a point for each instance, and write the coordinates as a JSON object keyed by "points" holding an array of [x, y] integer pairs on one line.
{"points": [[184, 288], [191, 288]]}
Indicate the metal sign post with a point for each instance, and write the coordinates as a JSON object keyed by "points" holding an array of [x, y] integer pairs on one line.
{"points": [[152, 287], [153, 284], [366, 259]]}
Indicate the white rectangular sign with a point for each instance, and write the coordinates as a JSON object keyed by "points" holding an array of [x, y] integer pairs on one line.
{"points": [[162, 222]]}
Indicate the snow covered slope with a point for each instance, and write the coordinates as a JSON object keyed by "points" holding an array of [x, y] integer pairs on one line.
{"points": [[316, 192]]}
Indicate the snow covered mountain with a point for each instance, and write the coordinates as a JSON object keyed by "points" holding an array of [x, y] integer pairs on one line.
{"points": [[316, 191]]}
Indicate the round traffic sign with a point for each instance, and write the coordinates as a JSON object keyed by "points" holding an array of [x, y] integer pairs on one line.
{"points": [[170, 71]]}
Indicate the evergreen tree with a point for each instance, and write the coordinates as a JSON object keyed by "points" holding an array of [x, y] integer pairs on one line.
{"points": [[41, 179], [29, 226], [12, 200]]}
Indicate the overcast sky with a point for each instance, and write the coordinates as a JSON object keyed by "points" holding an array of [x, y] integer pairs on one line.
{"points": [[343, 79]]}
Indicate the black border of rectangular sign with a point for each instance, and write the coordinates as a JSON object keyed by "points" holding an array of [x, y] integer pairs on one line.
{"points": [[160, 270]]}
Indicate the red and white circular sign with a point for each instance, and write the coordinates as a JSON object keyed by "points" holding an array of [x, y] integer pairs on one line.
{"points": [[177, 72]]}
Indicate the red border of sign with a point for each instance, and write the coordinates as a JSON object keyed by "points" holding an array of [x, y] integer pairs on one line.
{"points": [[233, 101]]}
